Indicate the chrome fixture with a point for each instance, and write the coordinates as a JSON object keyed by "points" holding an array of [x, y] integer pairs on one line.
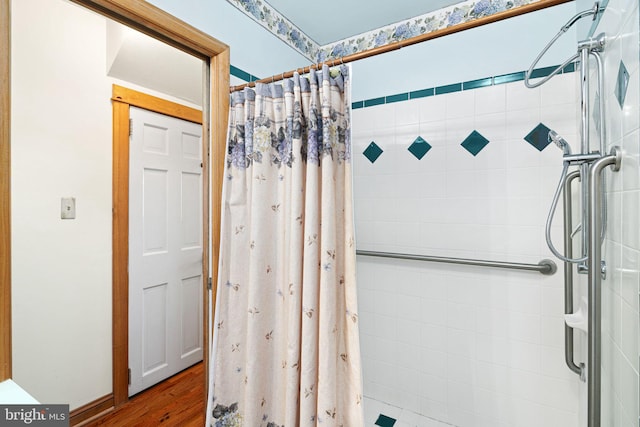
{"points": [[546, 266], [595, 282], [593, 11], [568, 276], [589, 165], [560, 142]]}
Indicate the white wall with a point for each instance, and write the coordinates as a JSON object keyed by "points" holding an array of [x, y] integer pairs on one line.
{"points": [[503, 47], [480, 52], [467, 346], [61, 147], [620, 313], [253, 48]]}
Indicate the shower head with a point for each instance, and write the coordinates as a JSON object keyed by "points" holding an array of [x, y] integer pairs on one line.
{"points": [[560, 142], [589, 12]]}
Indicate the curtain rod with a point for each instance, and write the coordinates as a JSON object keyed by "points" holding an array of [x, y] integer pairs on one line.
{"points": [[532, 7]]}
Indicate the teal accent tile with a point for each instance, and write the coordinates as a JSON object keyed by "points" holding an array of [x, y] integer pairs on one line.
{"points": [[539, 137], [622, 84], [569, 68], [374, 101], [508, 78], [421, 93], [473, 84], [372, 152], [384, 421], [419, 148], [474, 143], [456, 87], [397, 98], [542, 72], [241, 74]]}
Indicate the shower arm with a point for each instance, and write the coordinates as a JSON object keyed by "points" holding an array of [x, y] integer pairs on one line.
{"points": [[593, 11]]}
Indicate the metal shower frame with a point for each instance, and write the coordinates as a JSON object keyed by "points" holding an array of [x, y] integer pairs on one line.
{"points": [[590, 166]]}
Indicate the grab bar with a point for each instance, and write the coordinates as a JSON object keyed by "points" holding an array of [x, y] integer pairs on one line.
{"points": [[568, 274], [546, 266], [595, 271]]}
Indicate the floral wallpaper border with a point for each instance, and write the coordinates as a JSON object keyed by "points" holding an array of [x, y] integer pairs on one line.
{"points": [[264, 14], [460, 13]]}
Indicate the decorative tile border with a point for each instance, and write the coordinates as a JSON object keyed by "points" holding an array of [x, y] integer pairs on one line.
{"points": [[241, 74], [457, 87], [463, 12], [372, 152], [474, 143], [539, 137], [419, 148], [264, 14]]}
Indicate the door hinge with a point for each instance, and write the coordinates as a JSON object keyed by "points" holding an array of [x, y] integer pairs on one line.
{"points": [[130, 127], [129, 376], [209, 284]]}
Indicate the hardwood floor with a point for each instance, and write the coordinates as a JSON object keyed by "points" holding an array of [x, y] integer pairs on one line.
{"points": [[178, 401]]}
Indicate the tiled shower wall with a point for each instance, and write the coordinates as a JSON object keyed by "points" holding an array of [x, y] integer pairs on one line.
{"points": [[620, 325], [469, 346]]}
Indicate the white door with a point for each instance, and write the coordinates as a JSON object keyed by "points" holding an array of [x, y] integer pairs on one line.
{"points": [[165, 247]]}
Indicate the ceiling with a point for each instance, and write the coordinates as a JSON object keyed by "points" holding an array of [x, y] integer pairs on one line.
{"points": [[348, 18], [142, 60]]}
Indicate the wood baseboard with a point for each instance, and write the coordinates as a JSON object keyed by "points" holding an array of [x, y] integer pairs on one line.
{"points": [[91, 409]]}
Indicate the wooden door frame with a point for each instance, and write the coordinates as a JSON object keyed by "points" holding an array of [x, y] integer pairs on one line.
{"points": [[159, 24], [122, 99]]}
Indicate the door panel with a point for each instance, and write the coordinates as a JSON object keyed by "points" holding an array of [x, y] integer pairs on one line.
{"points": [[165, 247], [191, 299]]}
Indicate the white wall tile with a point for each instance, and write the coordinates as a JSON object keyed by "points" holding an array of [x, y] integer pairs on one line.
{"points": [[552, 331], [432, 109], [407, 113], [629, 335], [561, 89], [477, 337], [630, 167], [519, 97], [460, 104], [434, 364], [490, 99]]}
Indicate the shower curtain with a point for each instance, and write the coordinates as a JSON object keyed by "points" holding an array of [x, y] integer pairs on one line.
{"points": [[286, 349]]}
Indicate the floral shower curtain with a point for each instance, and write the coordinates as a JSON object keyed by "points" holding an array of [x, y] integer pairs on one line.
{"points": [[286, 349]]}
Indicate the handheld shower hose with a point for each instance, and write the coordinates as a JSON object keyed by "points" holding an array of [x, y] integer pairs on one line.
{"points": [[593, 11], [566, 149]]}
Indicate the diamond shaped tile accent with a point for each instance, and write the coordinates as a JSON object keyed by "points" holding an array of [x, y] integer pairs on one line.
{"points": [[372, 152], [622, 84], [419, 147], [539, 137], [475, 142], [384, 421]]}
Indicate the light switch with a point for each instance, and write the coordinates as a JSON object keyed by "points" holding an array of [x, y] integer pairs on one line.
{"points": [[68, 208]]}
